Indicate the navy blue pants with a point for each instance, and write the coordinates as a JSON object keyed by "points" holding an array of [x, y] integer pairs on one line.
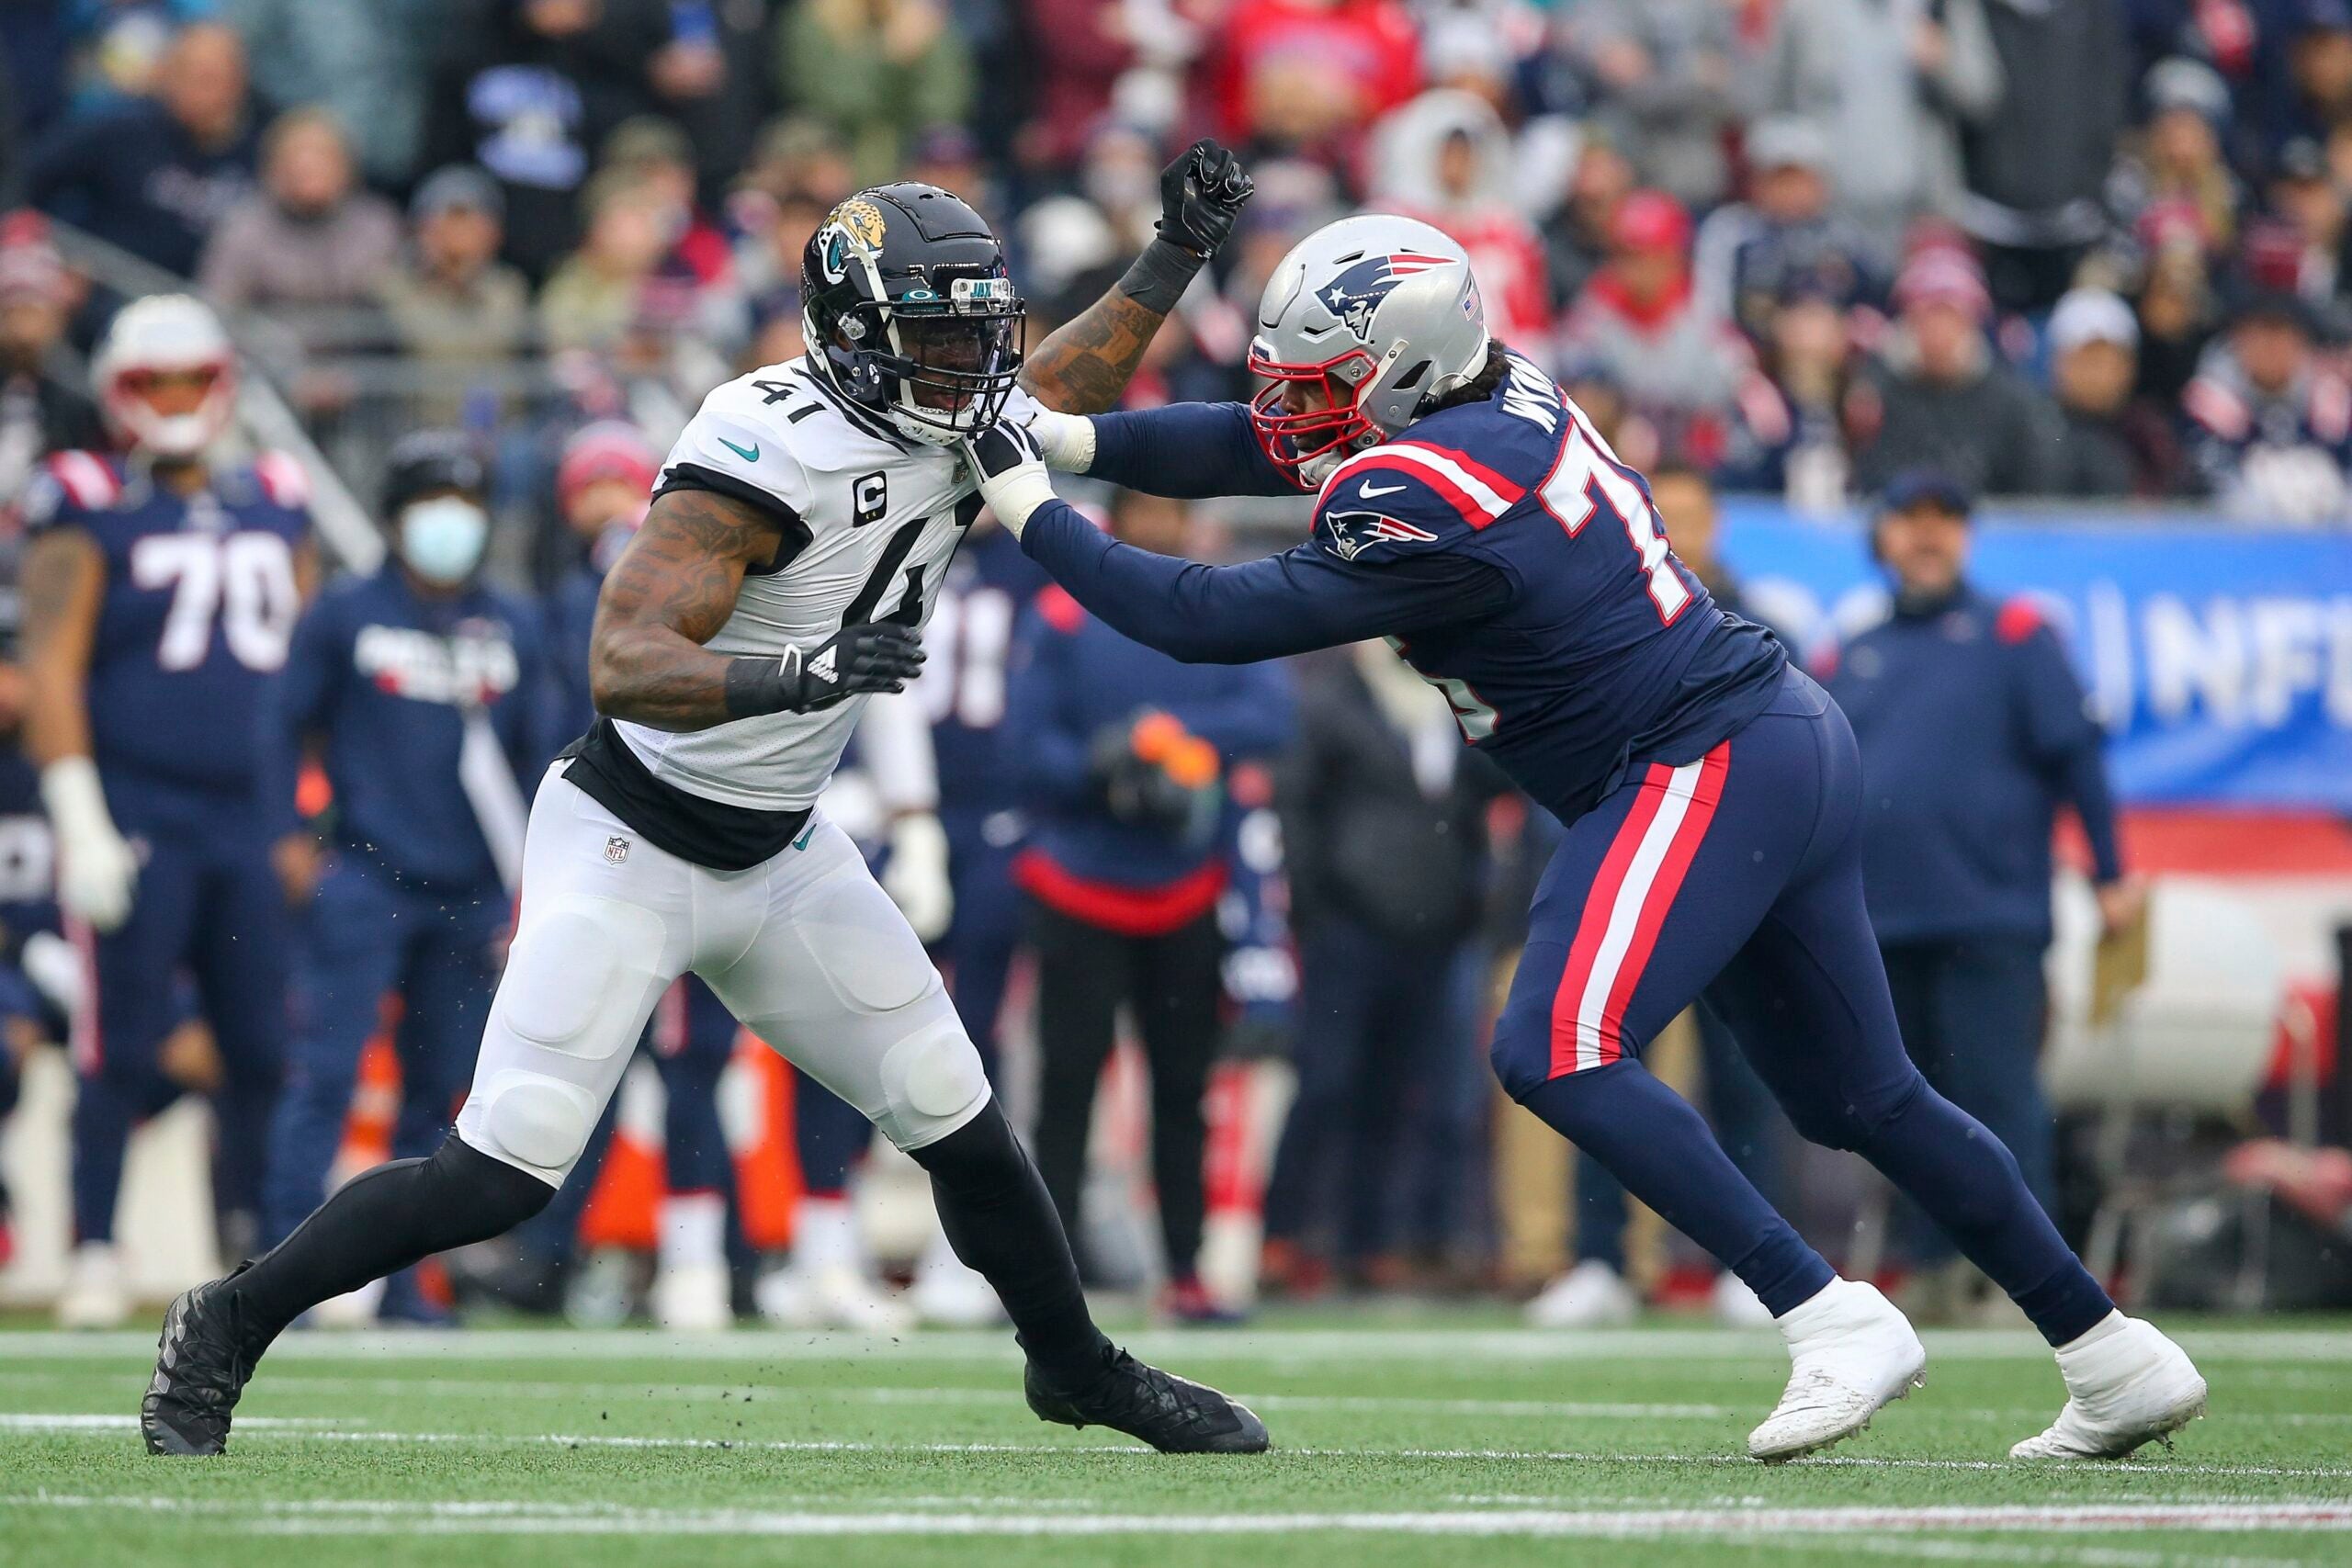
{"points": [[976, 955], [1376, 1014], [368, 936], [210, 907], [1747, 1122], [1973, 1012], [1739, 874]]}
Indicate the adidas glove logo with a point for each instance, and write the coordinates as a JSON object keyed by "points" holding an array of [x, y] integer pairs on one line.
{"points": [[824, 666]]}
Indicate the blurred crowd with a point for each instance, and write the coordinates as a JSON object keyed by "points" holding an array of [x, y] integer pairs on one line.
{"points": [[2081, 248]]}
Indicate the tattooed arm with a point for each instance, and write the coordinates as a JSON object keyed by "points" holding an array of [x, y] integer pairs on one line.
{"points": [[1084, 366], [64, 582], [668, 594], [64, 579], [675, 586]]}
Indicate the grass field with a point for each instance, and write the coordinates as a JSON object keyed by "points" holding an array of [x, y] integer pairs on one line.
{"points": [[1404, 1439]]}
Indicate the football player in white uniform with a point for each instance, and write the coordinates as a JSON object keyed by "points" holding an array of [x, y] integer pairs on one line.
{"points": [[799, 530]]}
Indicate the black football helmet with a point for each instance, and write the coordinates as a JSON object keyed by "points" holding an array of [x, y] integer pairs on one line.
{"points": [[910, 312]]}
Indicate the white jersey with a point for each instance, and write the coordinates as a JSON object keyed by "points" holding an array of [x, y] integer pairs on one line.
{"points": [[879, 517]]}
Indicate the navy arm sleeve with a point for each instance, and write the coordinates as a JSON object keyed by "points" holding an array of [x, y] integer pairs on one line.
{"points": [[2058, 718], [298, 707], [1304, 598], [1186, 450]]}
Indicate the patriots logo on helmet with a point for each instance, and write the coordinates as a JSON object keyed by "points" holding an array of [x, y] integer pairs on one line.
{"points": [[1356, 293], [1353, 532]]}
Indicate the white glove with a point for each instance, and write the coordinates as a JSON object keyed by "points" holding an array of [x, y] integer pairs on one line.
{"points": [[50, 962], [915, 876], [1011, 471], [96, 865], [1065, 440]]}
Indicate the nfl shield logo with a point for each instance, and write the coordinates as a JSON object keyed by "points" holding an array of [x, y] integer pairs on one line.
{"points": [[616, 850]]}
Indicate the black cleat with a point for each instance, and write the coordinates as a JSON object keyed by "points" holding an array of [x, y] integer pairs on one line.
{"points": [[201, 1364], [1173, 1415]]}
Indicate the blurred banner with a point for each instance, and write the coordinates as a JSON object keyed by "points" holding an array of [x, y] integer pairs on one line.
{"points": [[2219, 656]]}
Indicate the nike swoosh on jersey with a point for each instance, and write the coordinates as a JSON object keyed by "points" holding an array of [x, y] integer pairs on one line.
{"points": [[1372, 489], [749, 454]]}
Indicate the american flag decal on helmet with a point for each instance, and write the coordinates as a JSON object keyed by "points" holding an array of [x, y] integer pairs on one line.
{"points": [[1356, 293]]}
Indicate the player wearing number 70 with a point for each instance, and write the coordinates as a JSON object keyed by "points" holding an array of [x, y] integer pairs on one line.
{"points": [[161, 588], [1467, 512]]}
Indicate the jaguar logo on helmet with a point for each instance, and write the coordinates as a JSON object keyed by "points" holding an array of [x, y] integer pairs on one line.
{"points": [[1356, 293], [857, 226]]}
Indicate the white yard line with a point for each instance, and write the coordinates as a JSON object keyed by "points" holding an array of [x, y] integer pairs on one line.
{"points": [[440, 1385], [319, 1429], [491, 1517], [2301, 1347]]}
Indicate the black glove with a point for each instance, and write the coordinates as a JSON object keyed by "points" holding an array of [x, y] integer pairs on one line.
{"points": [[1201, 193], [1133, 790], [877, 656]]}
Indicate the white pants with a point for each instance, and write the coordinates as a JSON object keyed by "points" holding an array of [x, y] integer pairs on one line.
{"points": [[805, 949]]}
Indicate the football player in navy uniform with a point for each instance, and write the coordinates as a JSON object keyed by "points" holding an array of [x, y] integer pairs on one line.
{"points": [[1467, 511], [161, 590], [782, 576], [424, 694]]}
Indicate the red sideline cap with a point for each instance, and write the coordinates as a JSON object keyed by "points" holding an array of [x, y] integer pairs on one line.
{"points": [[1941, 276], [1649, 221], [609, 449]]}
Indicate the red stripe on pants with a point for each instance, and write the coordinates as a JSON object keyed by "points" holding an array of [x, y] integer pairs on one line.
{"points": [[1688, 835], [1598, 904]]}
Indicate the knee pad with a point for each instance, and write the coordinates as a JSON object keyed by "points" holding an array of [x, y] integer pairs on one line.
{"points": [[579, 970], [932, 1083], [539, 1121], [1522, 1059]]}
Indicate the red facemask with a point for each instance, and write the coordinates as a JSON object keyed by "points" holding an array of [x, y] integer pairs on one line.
{"points": [[1293, 440]]}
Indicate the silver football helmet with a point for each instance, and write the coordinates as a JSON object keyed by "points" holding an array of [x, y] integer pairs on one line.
{"points": [[1376, 317]]}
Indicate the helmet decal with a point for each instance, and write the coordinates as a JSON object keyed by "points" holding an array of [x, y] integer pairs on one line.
{"points": [[856, 226], [1356, 293]]}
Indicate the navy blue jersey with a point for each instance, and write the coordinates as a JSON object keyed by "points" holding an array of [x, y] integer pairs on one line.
{"points": [[1973, 729], [1500, 546], [199, 607], [968, 641], [380, 677]]}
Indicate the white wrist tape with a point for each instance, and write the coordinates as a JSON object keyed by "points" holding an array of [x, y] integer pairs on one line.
{"points": [[1065, 440], [1017, 494], [76, 802]]}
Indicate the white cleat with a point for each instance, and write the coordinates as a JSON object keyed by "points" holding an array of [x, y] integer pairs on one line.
{"points": [[1591, 1296], [834, 1297], [1737, 1306], [692, 1298], [2126, 1385], [93, 1296], [949, 1296], [1851, 1354]]}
